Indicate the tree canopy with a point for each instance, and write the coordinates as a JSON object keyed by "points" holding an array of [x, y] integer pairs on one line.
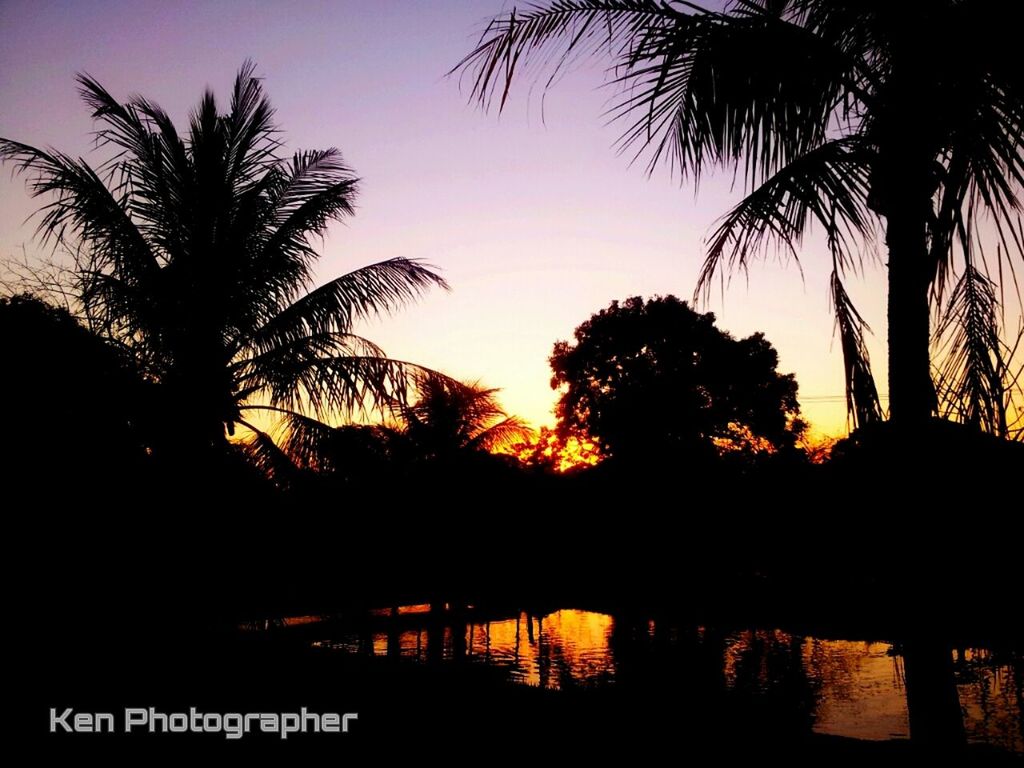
{"points": [[655, 378]]}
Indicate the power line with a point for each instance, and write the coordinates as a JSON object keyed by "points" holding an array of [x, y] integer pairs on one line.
{"points": [[830, 398]]}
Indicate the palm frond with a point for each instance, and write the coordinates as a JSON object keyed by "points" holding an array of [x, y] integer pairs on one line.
{"points": [[697, 100], [862, 403], [306, 441], [334, 307], [552, 37], [1013, 385], [251, 142], [309, 185], [983, 183], [153, 170], [270, 371], [121, 312], [264, 454], [84, 210], [315, 189], [827, 185], [341, 451], [328, 387], [685, 77], [506, 433], [274, 222], [250, 364], [125, 127], [973, 375]]}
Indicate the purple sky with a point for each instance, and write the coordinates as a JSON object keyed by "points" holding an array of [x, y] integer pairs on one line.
{"points": [[535, 224]]}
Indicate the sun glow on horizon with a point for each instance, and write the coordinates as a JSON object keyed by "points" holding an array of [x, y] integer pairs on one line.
{"points": [[548, 448]]}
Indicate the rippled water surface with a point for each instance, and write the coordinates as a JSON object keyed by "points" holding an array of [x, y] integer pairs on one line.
{"points": [[841, 687]]}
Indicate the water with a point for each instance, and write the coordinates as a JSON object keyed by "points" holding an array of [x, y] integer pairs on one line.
{"points": [[839, 687]]}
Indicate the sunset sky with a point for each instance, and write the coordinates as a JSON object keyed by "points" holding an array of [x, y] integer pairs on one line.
{"points": [[535, 223]]}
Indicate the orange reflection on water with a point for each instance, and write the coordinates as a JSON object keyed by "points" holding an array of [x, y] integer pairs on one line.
{"points": [[566, 648], [853, 688], [990, 699], [401, 610], [562, 649], [860, 689], [745, 652], [837, 687], [289, 621]]}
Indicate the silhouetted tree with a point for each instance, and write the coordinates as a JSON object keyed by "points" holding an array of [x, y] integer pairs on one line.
{"points": [[834, 111], [653, 379], [194, 253], [449, 418]]}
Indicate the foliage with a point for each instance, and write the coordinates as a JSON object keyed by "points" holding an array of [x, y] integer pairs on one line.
{"points": [[862, 402], [655, 378], [977, 385]]}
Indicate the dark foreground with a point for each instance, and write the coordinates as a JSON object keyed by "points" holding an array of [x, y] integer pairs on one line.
{"points": [[133, 599], [114, 633], [412, 711]]}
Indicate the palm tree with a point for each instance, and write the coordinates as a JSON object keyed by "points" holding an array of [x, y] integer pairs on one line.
{"points": [[194, 252], [446, 421], [450, 418], [840, 112]]}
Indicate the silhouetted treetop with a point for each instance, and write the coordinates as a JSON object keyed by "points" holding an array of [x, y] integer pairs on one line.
{"points": [[655, 378]]}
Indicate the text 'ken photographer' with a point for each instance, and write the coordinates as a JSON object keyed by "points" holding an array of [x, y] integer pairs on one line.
{"points": [[233, 725]]}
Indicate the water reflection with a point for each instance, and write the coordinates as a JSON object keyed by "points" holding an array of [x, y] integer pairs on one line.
{"points": [[991, 697], [861, 690], [839, 687]]}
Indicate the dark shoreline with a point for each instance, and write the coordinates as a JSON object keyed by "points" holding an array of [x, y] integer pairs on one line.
{"points": [[409, 710]]}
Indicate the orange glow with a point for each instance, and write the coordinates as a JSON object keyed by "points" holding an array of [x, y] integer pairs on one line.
{"points": [[548, 449], [402, 610], [740, 438], [818, 449]]}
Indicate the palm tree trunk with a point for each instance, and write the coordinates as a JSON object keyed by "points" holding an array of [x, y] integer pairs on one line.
{"points": [[933, 703], [911, 395], [904, 182]]}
